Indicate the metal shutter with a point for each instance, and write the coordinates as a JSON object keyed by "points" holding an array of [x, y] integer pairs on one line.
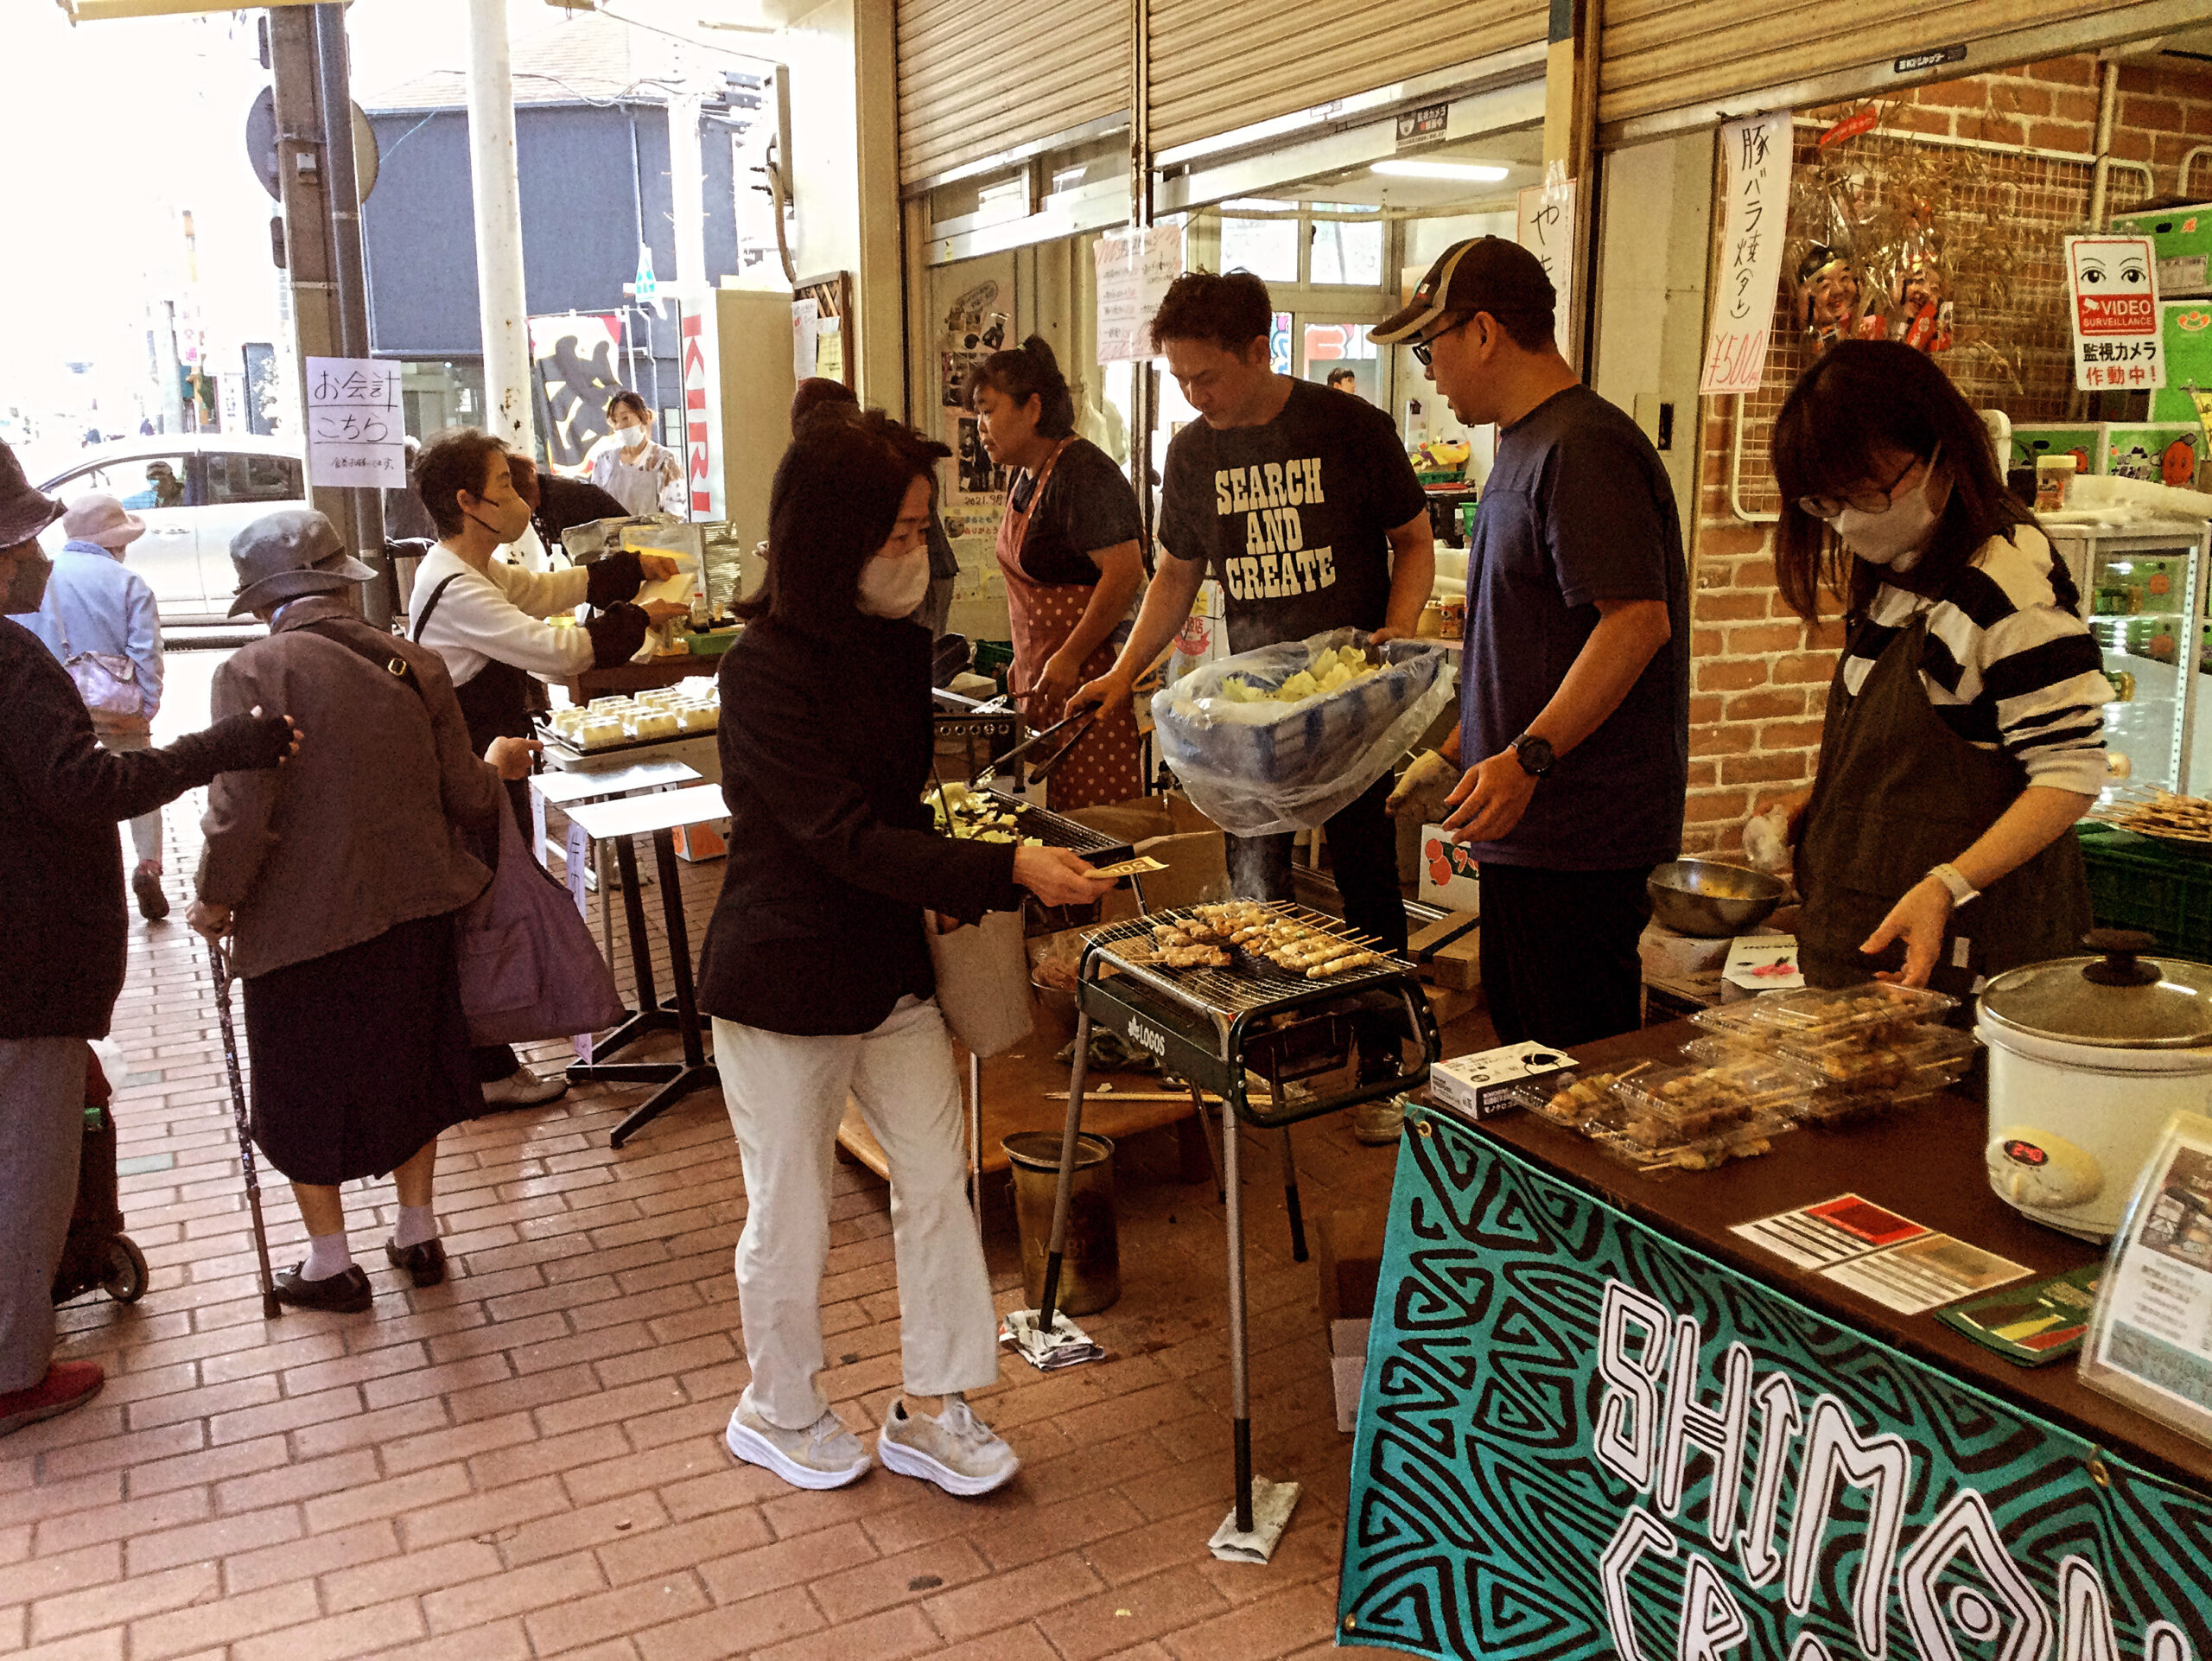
{"points": [[1218, 67], [977, 77], [1661, 56]]}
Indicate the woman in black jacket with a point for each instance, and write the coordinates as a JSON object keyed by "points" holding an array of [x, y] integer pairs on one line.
{"points": [[61, 913], [817, 969]]}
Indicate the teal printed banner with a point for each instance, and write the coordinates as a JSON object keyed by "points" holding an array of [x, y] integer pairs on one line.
{"points": [[1581, 1439]]}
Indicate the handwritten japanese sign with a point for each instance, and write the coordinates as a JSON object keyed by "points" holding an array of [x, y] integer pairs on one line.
{"points": [[1546, 230], [1756, 155], [1134, 267], [2117, 345], [356, 434]]}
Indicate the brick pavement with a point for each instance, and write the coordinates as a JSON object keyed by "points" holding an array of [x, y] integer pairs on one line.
{"points": [[526, 1461]]}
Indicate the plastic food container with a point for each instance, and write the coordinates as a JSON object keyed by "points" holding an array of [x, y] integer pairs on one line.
{"points": [[1809, 1014], [1919, 1058]]}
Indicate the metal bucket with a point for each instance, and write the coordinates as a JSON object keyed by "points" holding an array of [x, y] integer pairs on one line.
{"points": [[1090, 1260]]}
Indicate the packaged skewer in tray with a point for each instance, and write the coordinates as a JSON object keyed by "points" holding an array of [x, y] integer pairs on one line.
{"points": [[1866, 1047], [1693, 1117]]}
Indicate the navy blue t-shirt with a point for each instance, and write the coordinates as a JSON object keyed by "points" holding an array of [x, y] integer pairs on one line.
{"points": [[1578, 509]]}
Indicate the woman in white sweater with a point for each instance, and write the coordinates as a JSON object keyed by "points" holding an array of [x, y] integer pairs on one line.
{"points": [[486, 618]]}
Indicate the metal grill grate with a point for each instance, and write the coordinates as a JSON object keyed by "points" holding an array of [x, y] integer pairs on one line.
{"points": [[1225, 994], [1053, 830]]}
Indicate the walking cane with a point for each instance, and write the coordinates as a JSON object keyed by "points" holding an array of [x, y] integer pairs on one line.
{"points": [[269, 1306]]}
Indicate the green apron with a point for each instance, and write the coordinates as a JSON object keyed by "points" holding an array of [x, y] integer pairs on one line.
{"points": [[1897, 793]]}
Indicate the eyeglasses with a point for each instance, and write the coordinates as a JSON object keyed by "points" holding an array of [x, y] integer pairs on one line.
{"points": [[1865, 501], [1423, 348]]}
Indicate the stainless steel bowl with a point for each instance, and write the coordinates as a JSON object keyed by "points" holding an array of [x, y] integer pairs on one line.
{"points": [[1706, 898]]}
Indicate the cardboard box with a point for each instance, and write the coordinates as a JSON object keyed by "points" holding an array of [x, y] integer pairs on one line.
{"points": [[1348, 1251], [1449, 951], [1348, 1369], [1669, 955], [2186, 327], [704, 841], [1446, 1005], [1760, 962], [1486, 1083], [1448, 872], [2181, 243]]}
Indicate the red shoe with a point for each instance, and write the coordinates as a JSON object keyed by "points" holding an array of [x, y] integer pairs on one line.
{"points": [[67, 1385]]}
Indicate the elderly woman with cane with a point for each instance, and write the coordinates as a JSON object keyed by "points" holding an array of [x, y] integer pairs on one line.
{"points": [[817, 968], [336, 884], [61, 910]]}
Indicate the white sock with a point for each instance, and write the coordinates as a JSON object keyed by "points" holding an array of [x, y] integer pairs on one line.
{"points": [[327, 1255], [416, 1224]]}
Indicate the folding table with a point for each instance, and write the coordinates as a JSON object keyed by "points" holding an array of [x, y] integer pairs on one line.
{"points": [[657, 815]]}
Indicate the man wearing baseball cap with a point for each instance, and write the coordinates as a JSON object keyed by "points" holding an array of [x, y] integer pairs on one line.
{"points": [[1572, 753]]}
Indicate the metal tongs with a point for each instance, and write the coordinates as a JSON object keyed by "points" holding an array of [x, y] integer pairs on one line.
{"points": [[1083, 720]]}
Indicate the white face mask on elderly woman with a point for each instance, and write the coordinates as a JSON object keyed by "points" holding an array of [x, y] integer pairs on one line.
{"points": [[1898, 538], [892, 586]]}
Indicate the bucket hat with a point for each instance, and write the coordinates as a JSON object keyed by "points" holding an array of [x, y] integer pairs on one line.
{"points": [[283, 555], [24, 511], [102, 520]]}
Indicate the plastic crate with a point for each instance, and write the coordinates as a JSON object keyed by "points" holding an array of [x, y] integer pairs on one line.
{"points": [[994, 658], [2134, 884]]}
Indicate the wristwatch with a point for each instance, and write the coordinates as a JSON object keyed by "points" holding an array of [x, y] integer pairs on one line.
{"points": [[1952, 879], [1534, 753]]}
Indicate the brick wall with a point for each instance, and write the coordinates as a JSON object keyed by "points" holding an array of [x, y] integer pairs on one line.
{"points": [[1758, 677]]}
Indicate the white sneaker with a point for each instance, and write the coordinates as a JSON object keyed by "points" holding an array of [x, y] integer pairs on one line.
{"points": [[955, 1450], [824, 1455], [523, 1088]]}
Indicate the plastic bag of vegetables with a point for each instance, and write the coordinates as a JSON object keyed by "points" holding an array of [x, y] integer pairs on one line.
{"points": [[1281, 738]]}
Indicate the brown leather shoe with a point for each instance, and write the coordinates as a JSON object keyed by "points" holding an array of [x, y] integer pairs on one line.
{"points": [[424, 1261], [345, 1295]]}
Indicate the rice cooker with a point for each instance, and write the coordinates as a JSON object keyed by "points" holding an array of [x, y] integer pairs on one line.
{"points": [[2087, 1058]]}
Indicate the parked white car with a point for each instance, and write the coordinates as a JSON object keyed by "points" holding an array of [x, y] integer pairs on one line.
{"points": [[195, 490]]}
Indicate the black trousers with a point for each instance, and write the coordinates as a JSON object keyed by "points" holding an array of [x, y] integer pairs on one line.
{"points": [[1362, 856], [1559, 959]]}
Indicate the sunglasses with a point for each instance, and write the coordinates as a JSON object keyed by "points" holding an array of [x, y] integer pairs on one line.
{"points": [[1864, 501]]}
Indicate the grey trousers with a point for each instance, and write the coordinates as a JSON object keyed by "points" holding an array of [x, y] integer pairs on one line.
{"points": [[146, 829], [42, 1109]]}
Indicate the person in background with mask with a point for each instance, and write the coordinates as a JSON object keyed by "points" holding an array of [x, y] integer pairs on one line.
{"points": [[93, 604], [61, 913], [1964, 732], [627, 464], [817, 969], [486, 618]]}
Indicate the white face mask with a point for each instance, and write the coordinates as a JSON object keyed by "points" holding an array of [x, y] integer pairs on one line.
{"points": [[1898, 538], [892, 587]]}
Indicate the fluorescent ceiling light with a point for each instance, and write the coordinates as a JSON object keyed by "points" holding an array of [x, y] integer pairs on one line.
{"points": [[1484, 173]]}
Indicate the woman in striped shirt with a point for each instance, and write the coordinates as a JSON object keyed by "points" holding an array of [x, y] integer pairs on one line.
{"points": [[1964, 732]]}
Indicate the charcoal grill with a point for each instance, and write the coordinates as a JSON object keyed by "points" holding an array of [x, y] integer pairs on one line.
{"points": [[1214, 1029]]}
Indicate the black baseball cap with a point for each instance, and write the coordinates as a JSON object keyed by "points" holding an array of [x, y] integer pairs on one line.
{"points": [[1481, 274]]}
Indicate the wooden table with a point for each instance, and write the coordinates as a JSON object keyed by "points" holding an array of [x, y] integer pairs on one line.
{"points": [[1924, 1161]]}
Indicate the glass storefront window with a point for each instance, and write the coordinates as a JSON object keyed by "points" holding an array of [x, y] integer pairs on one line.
{"points": [[1348, 252], [1267, 248]]}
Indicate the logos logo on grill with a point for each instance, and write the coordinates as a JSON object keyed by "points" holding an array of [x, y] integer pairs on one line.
{"points": [[1150, 1038]]}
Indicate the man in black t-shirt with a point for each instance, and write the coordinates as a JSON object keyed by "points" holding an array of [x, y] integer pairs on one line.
{"points": [[1300, 501], [1573, 748]]}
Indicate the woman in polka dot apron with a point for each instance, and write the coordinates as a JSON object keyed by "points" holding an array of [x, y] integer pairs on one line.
{"points": [[1068, 548]]}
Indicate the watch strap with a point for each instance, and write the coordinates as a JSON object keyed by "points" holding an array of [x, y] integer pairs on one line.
{"points": [[1951, 878]]}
